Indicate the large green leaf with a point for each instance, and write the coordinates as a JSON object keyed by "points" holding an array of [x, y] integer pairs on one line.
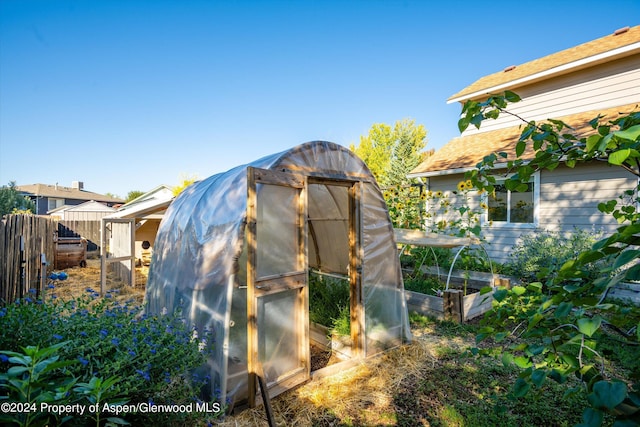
{"points": [[626, 257], [607, 394], [592, 142], [631, 134], [591, 418], [521, 388], [500, 295], [511, 96], [589, 326], [538, 376], [563, 310], [463, 124], [522, 362], [618, 157], [518, 290]]}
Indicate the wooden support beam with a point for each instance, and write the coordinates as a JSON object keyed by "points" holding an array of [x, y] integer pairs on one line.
{"points": [[452, 299]]}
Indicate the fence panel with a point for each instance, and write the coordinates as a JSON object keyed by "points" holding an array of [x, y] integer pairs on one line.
{"points": [[89, 229], [25, 242]]}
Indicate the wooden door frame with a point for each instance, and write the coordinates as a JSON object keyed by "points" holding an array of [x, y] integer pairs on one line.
{"points": [[262, 176], [356, 301]]}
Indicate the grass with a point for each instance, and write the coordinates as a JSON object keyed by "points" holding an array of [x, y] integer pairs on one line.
{"points": [[431, 382]]}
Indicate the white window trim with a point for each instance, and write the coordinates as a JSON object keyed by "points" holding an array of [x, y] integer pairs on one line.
{"points": [[535, 179], [58, 203]]}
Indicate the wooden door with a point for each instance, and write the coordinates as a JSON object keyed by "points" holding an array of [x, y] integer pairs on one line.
{"points": [[277, 291]]}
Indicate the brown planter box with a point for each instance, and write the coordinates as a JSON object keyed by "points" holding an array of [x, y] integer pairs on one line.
{"points": [[468, 307]]}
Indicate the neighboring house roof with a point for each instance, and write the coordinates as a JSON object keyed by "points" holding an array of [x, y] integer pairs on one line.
{"points": [[463, 153], [152, 202], [60, 192], [619, 44], [90, 206]]}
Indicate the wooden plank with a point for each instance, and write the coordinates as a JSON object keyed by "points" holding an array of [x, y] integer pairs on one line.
{"points": [[427, 305], [252, 327], [277, 178], [18, 276], [303, 305], [452, 301], [356, 300]]}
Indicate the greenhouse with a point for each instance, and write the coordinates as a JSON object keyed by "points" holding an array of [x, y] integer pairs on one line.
{"points": [[239, 251]]}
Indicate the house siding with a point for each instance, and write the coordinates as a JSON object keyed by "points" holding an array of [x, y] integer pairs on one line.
{"points": [[607, 85], [569, 199]]}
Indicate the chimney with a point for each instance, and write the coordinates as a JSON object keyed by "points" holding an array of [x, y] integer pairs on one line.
{"points": [[77, 185]]}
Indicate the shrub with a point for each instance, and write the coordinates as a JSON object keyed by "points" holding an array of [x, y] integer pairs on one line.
{"points": [[540, 255], [329, 301], [154, 357], [423, 284]]}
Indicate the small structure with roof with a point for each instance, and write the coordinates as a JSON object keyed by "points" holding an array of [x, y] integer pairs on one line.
{"points": [[128, 234]]}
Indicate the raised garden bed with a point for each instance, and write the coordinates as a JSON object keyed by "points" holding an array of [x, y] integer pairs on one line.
{"points": [[339, 345], [454, 303]]}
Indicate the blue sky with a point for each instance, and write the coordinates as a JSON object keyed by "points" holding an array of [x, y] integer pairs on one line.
{"points": [[129, 94]]}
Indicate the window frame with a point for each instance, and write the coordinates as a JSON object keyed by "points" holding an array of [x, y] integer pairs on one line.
{"points": [[535, 180], [58, 202]]}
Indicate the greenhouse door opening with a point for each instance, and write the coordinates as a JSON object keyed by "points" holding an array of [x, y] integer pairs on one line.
{"points": [[334, 268], [277, 291]]}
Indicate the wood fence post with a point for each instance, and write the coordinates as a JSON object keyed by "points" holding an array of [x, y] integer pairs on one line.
{"points": [[452, 299]]}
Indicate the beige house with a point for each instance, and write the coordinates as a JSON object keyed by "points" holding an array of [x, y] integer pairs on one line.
{"points": [[575, 85]]}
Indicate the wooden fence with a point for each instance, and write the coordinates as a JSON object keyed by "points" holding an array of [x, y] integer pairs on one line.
{"points": [[26, 245], [89, 229]]}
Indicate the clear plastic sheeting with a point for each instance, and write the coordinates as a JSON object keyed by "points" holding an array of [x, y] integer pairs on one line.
{"points": [[200, 260]]}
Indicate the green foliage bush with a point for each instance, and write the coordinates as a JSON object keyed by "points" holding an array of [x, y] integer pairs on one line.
{"points": [[423, 284], [329, 302], [11, 202], [156, 358], [557, 327], [540, 255]]}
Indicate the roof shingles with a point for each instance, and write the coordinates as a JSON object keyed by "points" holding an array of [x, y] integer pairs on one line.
{"points": [[466, 152], [58, 191], [583, 51]]}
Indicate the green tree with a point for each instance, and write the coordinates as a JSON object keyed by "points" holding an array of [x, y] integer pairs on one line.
{"points": [[391, 153], [185, 181], [376, 150], [132, 195], [12, 202], [555, 328], [407, 153]]}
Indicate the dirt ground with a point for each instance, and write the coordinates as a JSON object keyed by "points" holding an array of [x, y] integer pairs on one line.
{"points": [[81, 278]]}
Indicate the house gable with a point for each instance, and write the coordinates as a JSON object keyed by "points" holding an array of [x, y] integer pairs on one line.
{"points": [[621, 43]]}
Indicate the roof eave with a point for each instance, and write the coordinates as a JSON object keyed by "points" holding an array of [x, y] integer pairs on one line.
{"points": [[446, 172], [562, 69]]}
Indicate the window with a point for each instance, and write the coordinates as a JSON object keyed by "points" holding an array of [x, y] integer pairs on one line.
{"points": [[54, 203], [517, 208]]}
